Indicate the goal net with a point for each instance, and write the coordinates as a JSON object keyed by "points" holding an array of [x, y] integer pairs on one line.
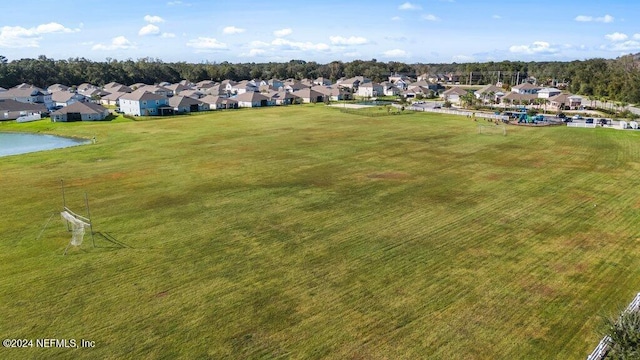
{"points": [[492, 129], [77, 225]]}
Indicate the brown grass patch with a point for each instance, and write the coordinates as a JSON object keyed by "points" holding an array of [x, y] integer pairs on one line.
{"points": [[389, 175]]}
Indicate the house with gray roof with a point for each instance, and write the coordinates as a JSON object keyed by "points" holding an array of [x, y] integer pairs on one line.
{"points": [[11, 109], [253, 99], [80, 111], [65, 98], [144, 103], [220, 102], [28, 94], [185, 104]]}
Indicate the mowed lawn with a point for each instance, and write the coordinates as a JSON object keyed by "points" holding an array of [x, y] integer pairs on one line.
{"points": [[305, 233]]}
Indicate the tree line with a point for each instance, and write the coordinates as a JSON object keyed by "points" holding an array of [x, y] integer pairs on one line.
{"points": [[612, 79]]}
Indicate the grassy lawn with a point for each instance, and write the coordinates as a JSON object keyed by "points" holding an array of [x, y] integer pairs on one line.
{"points": [[304, 232]]}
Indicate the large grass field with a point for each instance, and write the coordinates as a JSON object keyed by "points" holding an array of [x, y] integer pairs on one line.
{"points": [[306, 233]]}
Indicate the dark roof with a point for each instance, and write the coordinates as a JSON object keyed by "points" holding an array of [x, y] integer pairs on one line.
{"points": [[12, 105]]}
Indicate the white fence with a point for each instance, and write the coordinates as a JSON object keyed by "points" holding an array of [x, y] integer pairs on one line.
{"points": [[581, 125], [601, 350], [461, 113], [27, 118]]}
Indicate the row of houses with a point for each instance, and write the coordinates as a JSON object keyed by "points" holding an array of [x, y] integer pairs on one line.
{"points": [[523, 94]]}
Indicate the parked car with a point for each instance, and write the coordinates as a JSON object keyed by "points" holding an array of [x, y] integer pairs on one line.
{"points": [[604, 122], [562, 116], [576, 117], [589, 121]]}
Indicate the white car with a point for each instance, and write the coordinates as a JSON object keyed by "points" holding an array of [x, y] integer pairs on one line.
{"points": [[576, 117]]}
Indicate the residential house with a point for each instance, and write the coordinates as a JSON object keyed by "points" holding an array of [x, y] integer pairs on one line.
{"points": [[57, 87], [334, 92], [66, 98], [370, 89], [11, 109], [518, 98], [310, 96], [177, 88], [116, 87], [85, 88], [244, 86], [282, 97], [294, 86], [185, 104], [112, 99], [275, 83], [489, 93], [525, 88], [322, 81], [548, 93], [28, 94], [454, 94], [144, 103], [158, 90], [204, 85], [389, 89], [192, 94], [219, 102], [566, 102], [253, 99], [416, 91], [80, 111]]}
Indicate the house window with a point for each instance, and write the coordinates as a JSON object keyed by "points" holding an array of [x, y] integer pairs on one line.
{"points": [[157, 102], [144, 103]]}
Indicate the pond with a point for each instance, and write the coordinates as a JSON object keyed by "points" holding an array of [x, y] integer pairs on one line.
{"points": [[20, 143]]}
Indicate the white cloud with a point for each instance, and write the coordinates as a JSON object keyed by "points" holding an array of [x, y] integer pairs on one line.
{"points": [[284, 44], [430, 17], [623, 47], [204, 44], [538, 47], [497, 17], [253, 53], [636, 36], [352, 54], [409, 6], [352, 40], [168, 35], [396, 18], [282, 32], [17, 36], [395, 53], [153, 19], [149, 29], [117, 43], [232, 30], [603, 19], [616, 36]]}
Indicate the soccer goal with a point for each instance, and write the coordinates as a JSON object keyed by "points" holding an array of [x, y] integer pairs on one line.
{"points": [[76, 224], [492, 129]]}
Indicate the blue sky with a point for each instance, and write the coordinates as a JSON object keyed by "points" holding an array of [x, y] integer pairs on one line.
{"points": [[427, 31]]}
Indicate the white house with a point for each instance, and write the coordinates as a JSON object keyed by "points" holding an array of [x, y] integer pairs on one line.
{"points": [[252, 99], [370, 89], [547, 93]]}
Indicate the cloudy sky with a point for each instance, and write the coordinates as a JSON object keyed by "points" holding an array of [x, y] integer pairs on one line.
{"points": [[428, 31]]}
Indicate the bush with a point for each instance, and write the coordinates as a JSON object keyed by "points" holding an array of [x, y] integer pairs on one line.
{"points": [[625, 336]]}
